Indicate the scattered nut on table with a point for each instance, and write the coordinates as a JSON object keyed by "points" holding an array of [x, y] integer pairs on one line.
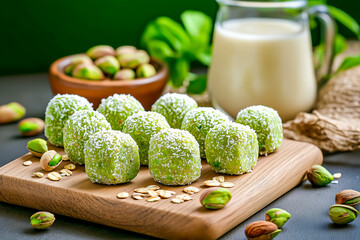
{"points": [[38, 174], [70, 166], [54, 176], [211, 183], [123, 195], [227, 184], [27, 163], [65, 172], [191, 190]]}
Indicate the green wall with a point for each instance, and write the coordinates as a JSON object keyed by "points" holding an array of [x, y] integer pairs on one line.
{"points": [[34, 33]]}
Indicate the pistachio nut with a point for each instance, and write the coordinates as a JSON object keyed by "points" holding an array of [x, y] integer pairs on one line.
{"points": [[11, 112], [342, 214], [124, 74], [349, 197], [42, 220], [75, 60], [108, 64], [133, 59], [145, 70], [125, 49], [261, 230], [50, 160], [100, 51], [87, 71], [319, 176], [31, 126], [37, 147], [277, 216], [215, 198]]}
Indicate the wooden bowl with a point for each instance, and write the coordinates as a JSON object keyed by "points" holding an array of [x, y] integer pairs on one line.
{"points": [[146, 90]]}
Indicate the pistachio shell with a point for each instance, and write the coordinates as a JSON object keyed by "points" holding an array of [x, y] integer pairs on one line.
{"points": [[50, 160], [342, 214], [145, 70], [215, 198], [125, 74], [37, 147], [31, 126], [319, 176], [261, 230], [42, 220], [349, 197], [11, 112], [87, 71], [108, 64], [277, 216], [100, 51]]}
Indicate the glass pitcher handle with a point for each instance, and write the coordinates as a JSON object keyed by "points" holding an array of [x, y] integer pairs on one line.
{"points": [[328, 36]]}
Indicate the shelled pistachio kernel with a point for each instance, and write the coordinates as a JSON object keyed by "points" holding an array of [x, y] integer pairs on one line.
{"points": [[164, 194], [142, 190], [54, 176], [212, 183], [153, 193], [137, 196], [191, 190], [70, 166], [227, 184], [27, 163], [38, 174], [185, 197], [337, 175], [153, 199], [65, 172], [123, 195], [219, 178], [177, 200], [37, 147], [153, 187], [65, 157]]}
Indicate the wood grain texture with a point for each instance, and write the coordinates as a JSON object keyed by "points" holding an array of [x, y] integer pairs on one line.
{"points": [[77, 197]]}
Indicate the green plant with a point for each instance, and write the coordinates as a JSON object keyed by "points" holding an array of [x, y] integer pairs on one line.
{"points": [[179, 45]]}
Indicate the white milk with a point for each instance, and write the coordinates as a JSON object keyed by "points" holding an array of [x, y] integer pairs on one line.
{"points": [[262, 61]]}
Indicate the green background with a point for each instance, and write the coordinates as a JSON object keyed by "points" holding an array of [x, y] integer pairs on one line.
{"points": [[34, 33]]}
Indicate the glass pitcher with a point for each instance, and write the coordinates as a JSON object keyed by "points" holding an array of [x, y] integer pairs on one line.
{"points": [[262, 55]]}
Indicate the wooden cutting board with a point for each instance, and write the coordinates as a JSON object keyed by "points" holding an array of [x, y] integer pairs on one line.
{"points": [[77, 197]]}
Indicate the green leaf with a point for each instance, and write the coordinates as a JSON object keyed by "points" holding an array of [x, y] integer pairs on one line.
{"points": [[179, 69], [174, 33], [345, 19], [160, 49], [150, 33], [199, 27], [340, 44], [205, 57], [349, 62], [197, 84]]}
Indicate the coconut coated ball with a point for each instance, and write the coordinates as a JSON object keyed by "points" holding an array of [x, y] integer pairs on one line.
{"points": [[199, 121], [58, 110], [174, 106], [231, 148], [78, 129], [141, 127], [118, 108], [267, 124], [174, 157], [111, 157]]}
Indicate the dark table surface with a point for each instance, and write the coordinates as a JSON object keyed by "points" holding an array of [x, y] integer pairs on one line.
{"points": [[308, 206]]}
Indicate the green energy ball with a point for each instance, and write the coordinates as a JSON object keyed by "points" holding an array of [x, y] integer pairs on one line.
{"points": [[78, 129], [58, 110], [199, 121], [111, 157], [174, 157], [173, 107], [267, 124], [117, 108], [141, 127], [231, 148]]}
